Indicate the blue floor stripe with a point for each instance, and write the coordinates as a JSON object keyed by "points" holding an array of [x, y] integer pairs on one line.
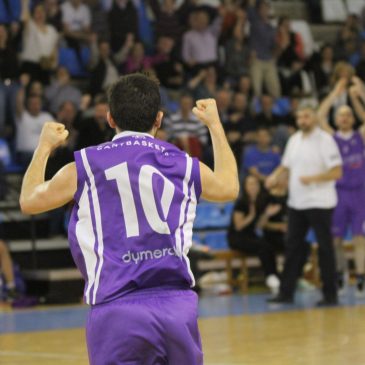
{"points": [[209, 306]]}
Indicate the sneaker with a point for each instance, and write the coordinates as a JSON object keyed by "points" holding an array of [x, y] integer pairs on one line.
{"points": [[280, 299], [273, 283]]}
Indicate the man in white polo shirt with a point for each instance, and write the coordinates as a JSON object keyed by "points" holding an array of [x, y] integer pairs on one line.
{"points": [[312, 162]]}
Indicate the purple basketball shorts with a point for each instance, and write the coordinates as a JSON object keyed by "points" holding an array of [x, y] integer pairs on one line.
{"points": [[148, 327], [349, 213]]}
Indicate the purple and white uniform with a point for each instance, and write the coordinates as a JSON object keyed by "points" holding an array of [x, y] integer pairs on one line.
{"points": [[130, 232], [350, 211]]}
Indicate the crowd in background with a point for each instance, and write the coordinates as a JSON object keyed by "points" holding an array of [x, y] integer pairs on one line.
{"points": [[58, 58]]}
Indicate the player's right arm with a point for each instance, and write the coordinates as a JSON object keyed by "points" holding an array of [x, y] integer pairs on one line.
{"points": [[38, 195], [220, 184], [326, 104]]}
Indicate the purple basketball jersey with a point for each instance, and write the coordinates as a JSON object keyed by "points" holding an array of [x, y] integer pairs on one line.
{"points": [[353, 155], [131, 226]]}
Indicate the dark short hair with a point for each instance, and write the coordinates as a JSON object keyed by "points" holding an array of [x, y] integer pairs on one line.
{"points": [[134, 101]]}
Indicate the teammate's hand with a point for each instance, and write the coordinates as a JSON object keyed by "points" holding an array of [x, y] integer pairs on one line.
{"points": [[207, 112], [53, 135]]}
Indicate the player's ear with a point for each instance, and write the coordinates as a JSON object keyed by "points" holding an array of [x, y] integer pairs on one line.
{"points": [[111, 121], [158, 121]]}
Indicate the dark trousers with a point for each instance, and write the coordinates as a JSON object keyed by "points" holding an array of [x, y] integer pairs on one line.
{"points": [[256, 246], [297, 249]]}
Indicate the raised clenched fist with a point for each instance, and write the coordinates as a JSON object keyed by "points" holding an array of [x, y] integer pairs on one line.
{"points": [[53, 135], [207, 112]]}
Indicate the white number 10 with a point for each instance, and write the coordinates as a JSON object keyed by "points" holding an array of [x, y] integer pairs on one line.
{"points": [[120, 174]]}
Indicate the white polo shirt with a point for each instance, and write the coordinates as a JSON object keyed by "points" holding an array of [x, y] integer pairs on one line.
{"points": [[307, 155]]}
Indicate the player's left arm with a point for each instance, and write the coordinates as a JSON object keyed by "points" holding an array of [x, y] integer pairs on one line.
{"points": [[38, 195]]}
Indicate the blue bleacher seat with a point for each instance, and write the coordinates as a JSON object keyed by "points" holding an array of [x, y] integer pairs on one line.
{"points": [[213, 215], [10, 13]]}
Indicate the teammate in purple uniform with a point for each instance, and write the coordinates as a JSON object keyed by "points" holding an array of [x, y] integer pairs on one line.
{"points": [[350, 211], [131, 226]]}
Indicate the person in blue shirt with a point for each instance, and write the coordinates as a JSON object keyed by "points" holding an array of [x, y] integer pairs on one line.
{"points": [[260, 160]]}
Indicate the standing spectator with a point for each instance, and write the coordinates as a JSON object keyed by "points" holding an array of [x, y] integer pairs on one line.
{"points": [[54, 14], [223, 98], [169, 17], [61, 90], [95, 130], [349, 212], [104, 64], [185, 130], [99, 19], [237, 53], [76, 20], [322, 70], [9, 73], [137, 59], [200, 43], [261, 160], [263, 50], [29, 123], [313, 162], [122, 19], [250, 214], [40, 41]]}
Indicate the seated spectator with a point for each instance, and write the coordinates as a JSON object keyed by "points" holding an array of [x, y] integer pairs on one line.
{"points": [[360, 67], [99, 19], [95, 130], [29, 123], [9, 73], [169, 17], [123, 20], [200, 43], [54, 14], [168, 69], [262, 159], [205, 84], [76, 20], [266, 118], [40, 41], [244, 86], [61, 90], [237, 53], [250, 214], [347, 36], [7, 271], [263, 49], [185, 130]]}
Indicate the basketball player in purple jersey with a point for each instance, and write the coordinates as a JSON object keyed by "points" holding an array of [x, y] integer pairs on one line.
{"points": [[131, 226], [350, 211]]}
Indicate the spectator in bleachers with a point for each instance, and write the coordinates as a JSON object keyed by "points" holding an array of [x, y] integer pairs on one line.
{"points": [[223, 98], [95, 130], [250, 214], [262, 159], [244, 86], [237, 53], [7, 270], [123, 20], [312, 163], [40, 44], [323, 69], [105, 65], [137, 60], [348, 36], [99, 19], [169, 70], [61, 90], [266, 117], [76, 20], [185, 130], [54, 14], [205, 84], [169, 18], [200, 43], [29, 123], [69, 115], [263, 49], [360, 67], [9, 73]]}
